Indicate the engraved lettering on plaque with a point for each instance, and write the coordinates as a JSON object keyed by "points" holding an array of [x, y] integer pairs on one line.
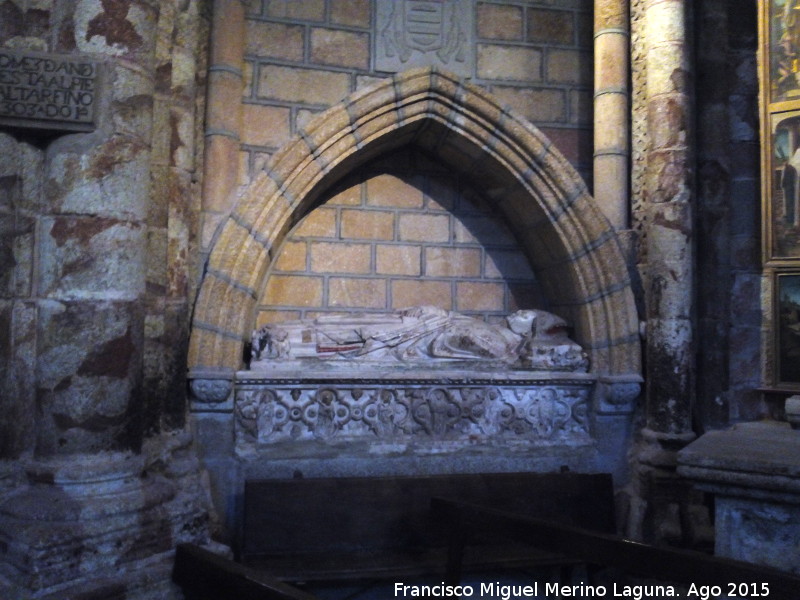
{"points": [[415, 33], [47, 91]]}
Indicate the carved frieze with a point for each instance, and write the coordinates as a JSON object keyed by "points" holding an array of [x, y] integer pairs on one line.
{"points": [[269, 412]]}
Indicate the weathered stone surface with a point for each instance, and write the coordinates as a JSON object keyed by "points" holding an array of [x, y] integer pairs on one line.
{"points": [[115, 28], [340, 48], [92, 257], [499, 22], [551, 26], [101, 515], [509, 63], [88, 358], [417, 413], [17, 377]]}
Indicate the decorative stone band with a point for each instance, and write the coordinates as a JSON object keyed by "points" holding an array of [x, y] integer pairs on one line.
{"points": [[401, 414]]}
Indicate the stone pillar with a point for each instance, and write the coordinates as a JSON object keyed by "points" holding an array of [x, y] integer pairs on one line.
{"points": [[669, 195], [223, 115], [611, 110], [659, 502], [93, 501]]}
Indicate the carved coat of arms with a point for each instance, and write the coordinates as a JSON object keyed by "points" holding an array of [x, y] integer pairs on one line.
{"points": [[422, 33]]}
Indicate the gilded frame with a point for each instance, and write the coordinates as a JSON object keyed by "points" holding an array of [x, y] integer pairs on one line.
{"points": [[780, 131], [779, 99], [787, 329], [782, 178]]}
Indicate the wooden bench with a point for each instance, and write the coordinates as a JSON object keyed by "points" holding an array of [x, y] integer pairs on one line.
{"points": [[203, 575], [629, 559], [330, 529]]}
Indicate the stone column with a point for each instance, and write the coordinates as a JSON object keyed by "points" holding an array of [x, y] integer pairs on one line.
{"points": [[93, 502], [669, 195], [223, 115], [611, 109]]}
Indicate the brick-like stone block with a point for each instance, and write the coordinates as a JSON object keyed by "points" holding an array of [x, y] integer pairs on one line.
{"points": [[509, 63], [499, 22], [569, 66], [265, 125], [357, 293], [544, 105], [292, 257], [362, 224], [353, 13], [417, 227], [92, 255], [471, 296], [321, 222], [349, 196], [452, 262], [293, 290], [332, 257], [415, 292], [398, 260], [307, 10], [340, 48], [310, 86], [551, 26], [391, 190], [276, 316], [275, 40]]}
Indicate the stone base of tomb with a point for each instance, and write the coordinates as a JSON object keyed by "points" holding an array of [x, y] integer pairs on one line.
{"points": [[105, 524], [407, 412], [360, 420]]}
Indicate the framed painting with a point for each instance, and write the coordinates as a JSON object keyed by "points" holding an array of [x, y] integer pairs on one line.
{"points": [[783, 41], [782, 214], [787, 329]]}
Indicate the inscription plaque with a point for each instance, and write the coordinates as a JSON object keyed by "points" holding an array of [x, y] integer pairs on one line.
{"points": [[47, 91]]}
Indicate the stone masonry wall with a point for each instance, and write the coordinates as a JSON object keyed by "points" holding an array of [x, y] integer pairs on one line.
{"points": [[302, 57], [405, 232]]}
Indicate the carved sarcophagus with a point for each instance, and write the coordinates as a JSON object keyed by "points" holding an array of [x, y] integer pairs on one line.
{"points": [[420, 380]]}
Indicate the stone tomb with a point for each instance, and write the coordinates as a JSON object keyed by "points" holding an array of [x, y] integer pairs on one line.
{"points": [[419, 381]]}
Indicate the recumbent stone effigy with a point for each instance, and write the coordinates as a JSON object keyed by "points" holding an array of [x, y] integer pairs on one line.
{"points": [[417, 380]]}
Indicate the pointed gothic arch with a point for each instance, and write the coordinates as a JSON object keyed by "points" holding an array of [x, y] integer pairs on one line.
{"points": [[573, 249]]}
